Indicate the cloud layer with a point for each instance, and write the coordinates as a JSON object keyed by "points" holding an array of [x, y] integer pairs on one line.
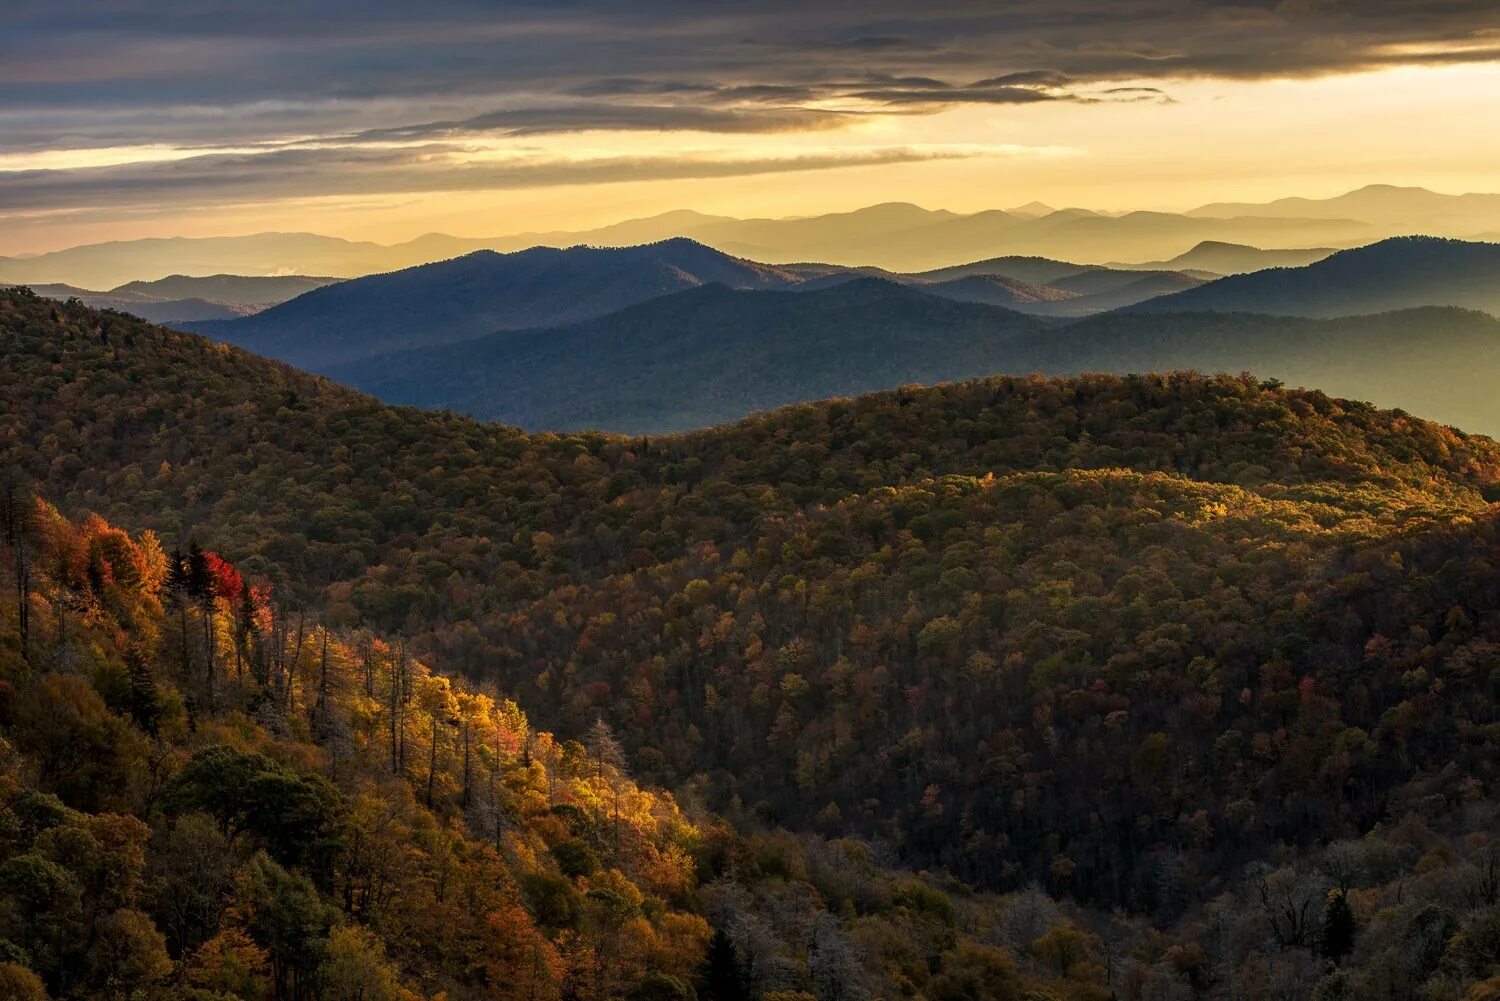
{"points": [[280, 98]]}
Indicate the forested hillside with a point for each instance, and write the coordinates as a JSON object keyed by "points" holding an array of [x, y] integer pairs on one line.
{"points": [[206, 795], [1437, 362], [714, 355], [1204, 654], [1399, 273], [436, 304], [702, 357]]}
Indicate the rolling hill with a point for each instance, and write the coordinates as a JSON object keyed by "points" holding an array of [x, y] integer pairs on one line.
{"points": [[702, 357], [147, 307], [1094, 290], [896, 236], [108, 265], [467, 297], [248, 290], [998, 290], [1066, 234], [485, 292], [1435, 361], [1222, 238], [179, 299], [1408, 209], [713, 355], [1399, 273], [1220, 258], [1114, 668], [1037, 270]]}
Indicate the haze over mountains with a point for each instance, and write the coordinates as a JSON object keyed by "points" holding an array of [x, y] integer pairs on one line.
{"points": [[485, 291], [1414, 209], [703, 357], [183, 299], [896, 236], [1393, 274], [676, 335], [713, 355], [479, 293], [1220, 258]]}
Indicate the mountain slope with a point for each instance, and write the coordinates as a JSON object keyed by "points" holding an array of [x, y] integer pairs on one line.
{"points": [[182, 299], [925, 604], [702, 357], [238, 289], [205, 783], [1390, 206], [1438, 362], [1399, 273], [1089, 291], [1233, 623], [148, 307], [1068, 234], [1235, 259], [997, 290], [437, 304], [1037, 270], [109, 265], [713, 355], [1113, 290], [898, 236]]}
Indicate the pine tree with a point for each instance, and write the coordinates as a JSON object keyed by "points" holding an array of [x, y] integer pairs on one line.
{"points": [[198, 582], [1338, 926], [177, 589], [723, 978], [145, 699]]}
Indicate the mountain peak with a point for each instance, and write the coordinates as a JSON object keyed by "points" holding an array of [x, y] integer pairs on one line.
{"points": [[481, 292], [1032, 209], [1401, 272], [1387, 188]]}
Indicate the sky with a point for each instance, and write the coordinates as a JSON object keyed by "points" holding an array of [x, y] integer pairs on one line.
{"points": [[387, 119]]}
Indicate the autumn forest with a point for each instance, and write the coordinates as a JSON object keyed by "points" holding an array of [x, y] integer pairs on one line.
{"points": [[1158, 687]]}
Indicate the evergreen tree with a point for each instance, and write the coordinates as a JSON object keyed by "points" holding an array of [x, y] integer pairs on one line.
{"points": [[723, 979], [1338, 926], [199, 582], [145, 699], [176, 583]]}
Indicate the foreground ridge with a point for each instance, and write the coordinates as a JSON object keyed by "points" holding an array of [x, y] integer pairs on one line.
{"points": [[1165, 680]]}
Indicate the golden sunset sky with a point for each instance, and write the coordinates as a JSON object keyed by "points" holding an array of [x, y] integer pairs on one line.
{"points": [[385, 121]]}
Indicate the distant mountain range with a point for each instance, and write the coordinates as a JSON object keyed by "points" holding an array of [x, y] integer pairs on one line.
{"points": [[702, 357], [1393, 274], [906, 238], [715, 354], [480, 293], [261, 291], [1090, 291], [179, 299], [108, 265], [467, 297], [1220, 238], [1408, 209], [675, 334], [1216, 258], [1439, 362]]}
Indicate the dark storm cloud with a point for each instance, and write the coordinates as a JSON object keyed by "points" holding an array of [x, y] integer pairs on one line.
{"points": [[277, 76], [113, 53]]}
